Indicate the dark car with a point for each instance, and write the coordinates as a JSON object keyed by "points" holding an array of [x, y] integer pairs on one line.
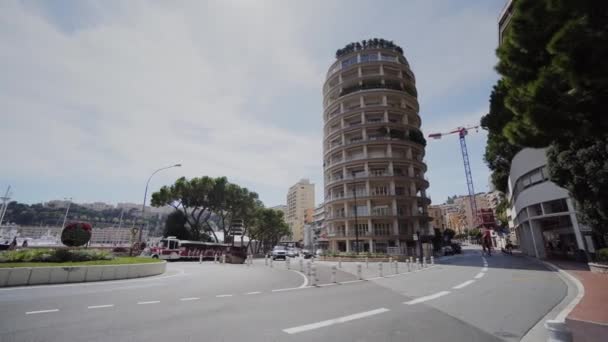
{"points": [[306, 254], [456, 248]]}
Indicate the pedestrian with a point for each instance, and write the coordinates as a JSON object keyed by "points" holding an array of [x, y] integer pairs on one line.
{"points": [[24, 244], [13, 244]]}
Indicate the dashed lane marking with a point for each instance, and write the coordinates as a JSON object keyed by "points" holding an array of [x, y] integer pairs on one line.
{"points": [[333, 321], [427, 298], [100, 306], [41, 311], [466, 283], [149, 302], [223, 295], [479, 275], [252, 293], [189, 298]]}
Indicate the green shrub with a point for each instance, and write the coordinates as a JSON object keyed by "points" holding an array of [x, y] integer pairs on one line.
{"points": [[602, 255], [55, 255]]}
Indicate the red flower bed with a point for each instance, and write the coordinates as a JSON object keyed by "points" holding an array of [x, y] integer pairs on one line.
{"points": [[76, 234]]}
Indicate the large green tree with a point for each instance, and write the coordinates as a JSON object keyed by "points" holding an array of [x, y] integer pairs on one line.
{"points": [[201, 199], [555, 78], [268, 227]]}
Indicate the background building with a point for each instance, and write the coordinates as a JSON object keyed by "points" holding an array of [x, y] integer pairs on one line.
{"points": [[542, 213], [282, 208], [373, 150], [300, 207]]}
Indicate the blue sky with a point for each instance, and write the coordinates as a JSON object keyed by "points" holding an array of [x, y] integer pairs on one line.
{"points": [[95, 95]]}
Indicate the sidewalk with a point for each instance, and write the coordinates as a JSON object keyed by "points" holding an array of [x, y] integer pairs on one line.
{"points": [[588, 321]]}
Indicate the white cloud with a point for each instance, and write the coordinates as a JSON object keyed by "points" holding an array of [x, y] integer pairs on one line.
{"points": [[136, 85]]}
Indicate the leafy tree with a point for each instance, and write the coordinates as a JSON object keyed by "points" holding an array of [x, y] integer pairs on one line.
{"points": [[553, 63], [268, 227], [175, 225]]}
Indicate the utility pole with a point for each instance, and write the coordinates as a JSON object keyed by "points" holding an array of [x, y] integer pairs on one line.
{"points": [[4, 204], [67, 210]]}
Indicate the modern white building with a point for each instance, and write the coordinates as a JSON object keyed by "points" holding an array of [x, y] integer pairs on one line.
{"points": [[542, 213]]}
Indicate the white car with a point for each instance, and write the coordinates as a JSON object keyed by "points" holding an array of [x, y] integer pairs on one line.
{"points": [[279, 252]]}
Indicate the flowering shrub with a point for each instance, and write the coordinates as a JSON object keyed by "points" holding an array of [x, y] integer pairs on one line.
{"points": [[54, 255], [76, 234]]}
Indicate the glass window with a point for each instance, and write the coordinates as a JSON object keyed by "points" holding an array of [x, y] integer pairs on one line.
{"points": [[556, 206], [535, 210], [349, 62], [536, 177]]}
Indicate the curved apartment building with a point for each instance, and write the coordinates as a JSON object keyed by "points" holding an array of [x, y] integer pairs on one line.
{"points": [[373, 151]]}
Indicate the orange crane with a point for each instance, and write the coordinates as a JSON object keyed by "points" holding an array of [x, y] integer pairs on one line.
{"points": [[462, 133]]}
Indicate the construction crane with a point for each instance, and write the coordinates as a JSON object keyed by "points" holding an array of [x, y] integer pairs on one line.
{"points": [[462, 133]]}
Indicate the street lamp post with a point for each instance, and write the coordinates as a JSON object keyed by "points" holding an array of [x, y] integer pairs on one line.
{"points": [[65, 217], [356, 228]]}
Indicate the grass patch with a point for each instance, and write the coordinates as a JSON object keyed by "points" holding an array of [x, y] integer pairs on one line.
{"points": [[115, 261]]}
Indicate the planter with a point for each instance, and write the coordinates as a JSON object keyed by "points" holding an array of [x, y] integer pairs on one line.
{"points": [[598, 268]]}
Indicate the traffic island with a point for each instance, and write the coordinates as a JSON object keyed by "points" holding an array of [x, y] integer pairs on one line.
{"points": [[41, 273]]}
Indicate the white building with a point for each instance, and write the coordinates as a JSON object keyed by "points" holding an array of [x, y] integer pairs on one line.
{"points": [[97, 206], [542, 213]]}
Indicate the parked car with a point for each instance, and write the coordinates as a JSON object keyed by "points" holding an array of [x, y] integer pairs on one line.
{"points": [[279, 252], [306, 254], [292, 253], [456, 248], [447, 250]]}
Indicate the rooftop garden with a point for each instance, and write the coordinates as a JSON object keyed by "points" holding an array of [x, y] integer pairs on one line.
{"points": [[374, 43]]}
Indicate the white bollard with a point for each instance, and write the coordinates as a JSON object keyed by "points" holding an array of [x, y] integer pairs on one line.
{"points": [[417, 264], [396, 266], [266, 260], [333, 274], [380, 270], [411, 260], [287, 263], [390, 260], [200, 259], [308, 269], [313, 275], [271, 261], [409, 265], [432, 260], [423, 262], [366, 262], [359, 277], [301, 265], [223, 258], [215, 258], [340, 262]]}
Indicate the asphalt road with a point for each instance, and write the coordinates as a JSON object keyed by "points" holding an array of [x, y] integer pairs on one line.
{"points": [[457, 300]]}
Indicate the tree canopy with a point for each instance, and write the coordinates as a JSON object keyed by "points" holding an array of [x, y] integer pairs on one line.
{"points": [[553, 93], [202, 198], [268, 227]]}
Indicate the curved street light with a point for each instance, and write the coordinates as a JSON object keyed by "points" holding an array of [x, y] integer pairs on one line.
{"points": [[143, 206]]}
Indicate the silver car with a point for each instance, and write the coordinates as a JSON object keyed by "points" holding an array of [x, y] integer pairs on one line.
{"points": [[279, 252]]}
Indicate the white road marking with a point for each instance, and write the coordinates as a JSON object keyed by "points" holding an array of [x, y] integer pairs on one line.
{"points": [[305, 283], [351, 281], [189, 298], [328, 284], [466, 283], [149, 302], [291, 289], [100, 306], [333, 321], [374, 278], [253, 293], [41, 311], [427, 298], [479, 275], [223, 295], [485, 269]]}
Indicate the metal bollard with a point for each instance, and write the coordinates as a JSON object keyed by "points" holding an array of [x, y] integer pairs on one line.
{"points": [[314, 275], [366, 262], [333, 274], [308, 269], [359, 277], [340, 262], [380, 270], [409, 265], [396, 266], [411, 260], [301, 265], [432, 260]]}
